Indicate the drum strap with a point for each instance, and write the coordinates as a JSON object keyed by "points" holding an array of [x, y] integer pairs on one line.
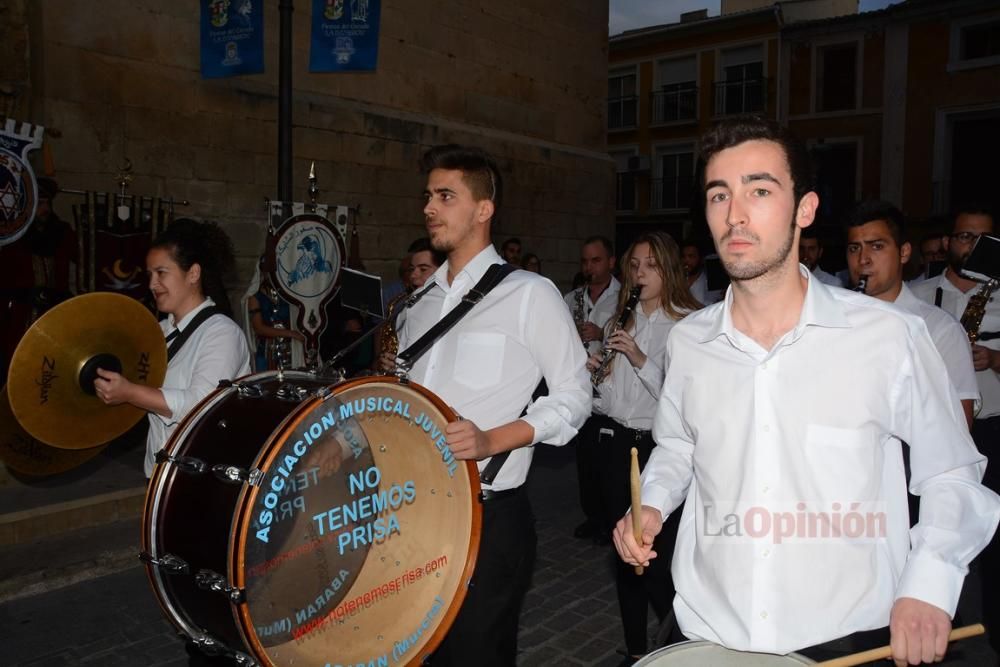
{"points": [[492, 468], [177, 338], [493, 277]]}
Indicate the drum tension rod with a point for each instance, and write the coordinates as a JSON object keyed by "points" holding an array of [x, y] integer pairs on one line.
{"points": [[236, 475], [242, 388], [212, 647], [213, 581], [170, 563], [223, 471], [188, 464]]}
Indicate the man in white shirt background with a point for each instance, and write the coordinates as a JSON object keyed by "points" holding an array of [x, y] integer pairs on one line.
{"points": [[877, 249], [591, 306], [693, 260], [486, 367], [769, 462], [810, 252], [952, 292]]}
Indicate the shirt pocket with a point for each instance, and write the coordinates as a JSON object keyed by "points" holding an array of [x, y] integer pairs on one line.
{"points": [[479, 362], [844, 463]]}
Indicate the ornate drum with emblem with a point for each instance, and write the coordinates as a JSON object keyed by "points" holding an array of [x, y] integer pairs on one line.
{"points": [[700, 654], [291, 523]]}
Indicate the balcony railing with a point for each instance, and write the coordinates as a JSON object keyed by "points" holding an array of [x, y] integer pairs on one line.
{"points": [[671, 193], [626, 192], [622, 112], [740, 96], [675, 105]]}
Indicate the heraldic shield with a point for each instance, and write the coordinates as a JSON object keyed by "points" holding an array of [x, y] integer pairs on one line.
{"points": [[305, 255]]}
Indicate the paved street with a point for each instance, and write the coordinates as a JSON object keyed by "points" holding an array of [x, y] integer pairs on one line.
{"points": [[570, 617]]}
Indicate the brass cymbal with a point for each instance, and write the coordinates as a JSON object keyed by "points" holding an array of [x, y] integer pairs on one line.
{"points": [[48, 385], [28, 456]]}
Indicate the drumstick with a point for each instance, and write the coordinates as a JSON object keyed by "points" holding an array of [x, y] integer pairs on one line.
{"points": [[636, 502], [886, 651]]}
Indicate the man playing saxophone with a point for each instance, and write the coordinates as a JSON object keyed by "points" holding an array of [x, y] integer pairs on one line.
{"points": [[959, 296], [592, 306], [424, 261]]}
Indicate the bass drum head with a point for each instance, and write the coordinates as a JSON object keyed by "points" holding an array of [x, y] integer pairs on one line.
{"points": [[700, 654], [357, 543]]}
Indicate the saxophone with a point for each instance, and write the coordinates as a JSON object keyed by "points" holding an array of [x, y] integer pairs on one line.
{"points": [[972, 318], [601, 372], [580, 306], [389, 338]]}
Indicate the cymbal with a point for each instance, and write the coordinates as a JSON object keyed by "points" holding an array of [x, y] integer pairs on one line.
{"points": [[50, 382], [23, 454]]}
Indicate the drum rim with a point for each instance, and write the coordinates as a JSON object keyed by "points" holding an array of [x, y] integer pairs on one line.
{"points": [[158, 487], [695, 643], [242, 517]]}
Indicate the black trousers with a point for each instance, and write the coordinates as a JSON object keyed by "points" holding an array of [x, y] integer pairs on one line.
{"points": [[485, 631], [655, 585], [986, 434], [588, 472]]}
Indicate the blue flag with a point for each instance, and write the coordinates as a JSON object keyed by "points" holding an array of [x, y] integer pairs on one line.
{"points": [[344, 35], [232, 37]]}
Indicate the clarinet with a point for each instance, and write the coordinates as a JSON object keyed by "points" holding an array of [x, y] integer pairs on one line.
{"points": [[601, 372]]}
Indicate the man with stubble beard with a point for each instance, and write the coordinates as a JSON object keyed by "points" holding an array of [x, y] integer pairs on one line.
{"points": [[760, 454], [487, 367]]}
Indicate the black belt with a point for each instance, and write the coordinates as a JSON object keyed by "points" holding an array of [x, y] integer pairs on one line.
{"points": [[490, 494], [636, 433]]}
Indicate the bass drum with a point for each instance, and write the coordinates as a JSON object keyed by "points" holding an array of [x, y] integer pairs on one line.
{"points": [[291, 523], [699, 654]]}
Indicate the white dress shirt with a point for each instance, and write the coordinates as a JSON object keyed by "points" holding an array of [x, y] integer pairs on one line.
{"points": [[597, 312], [949, 338], [217, 350], [488, 365], [954, 301], [629, 394], [827, 278], [762, 453], [700, 291]]}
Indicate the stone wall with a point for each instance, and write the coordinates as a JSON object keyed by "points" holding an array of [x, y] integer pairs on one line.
{"points": [[120, 79]]}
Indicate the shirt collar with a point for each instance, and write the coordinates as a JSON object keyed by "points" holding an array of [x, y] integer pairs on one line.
{"points": [[821, 308], [180, 326], [474, 270], [906, 298]]}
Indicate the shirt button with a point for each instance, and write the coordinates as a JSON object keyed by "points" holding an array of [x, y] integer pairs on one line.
{"points": [[766, 428], [767, 552], [763, 615], [766, 489], [763, 366]]}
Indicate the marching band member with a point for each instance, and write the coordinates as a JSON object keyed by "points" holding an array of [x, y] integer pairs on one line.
{"points": [[624, 409], [592, 305], [795, 533], [487, 367], [185, 265]]}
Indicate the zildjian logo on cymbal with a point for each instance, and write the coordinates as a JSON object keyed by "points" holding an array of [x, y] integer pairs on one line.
{"points": [[45, 383]]}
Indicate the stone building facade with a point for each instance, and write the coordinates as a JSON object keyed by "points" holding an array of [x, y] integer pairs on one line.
{"points": [[120, 80]]}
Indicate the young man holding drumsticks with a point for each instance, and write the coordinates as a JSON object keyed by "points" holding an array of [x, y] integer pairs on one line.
{"points": [[795, 534]]}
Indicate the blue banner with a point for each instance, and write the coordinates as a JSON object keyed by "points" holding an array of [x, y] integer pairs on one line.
{"points": [[344, 35], [232, 37]]}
